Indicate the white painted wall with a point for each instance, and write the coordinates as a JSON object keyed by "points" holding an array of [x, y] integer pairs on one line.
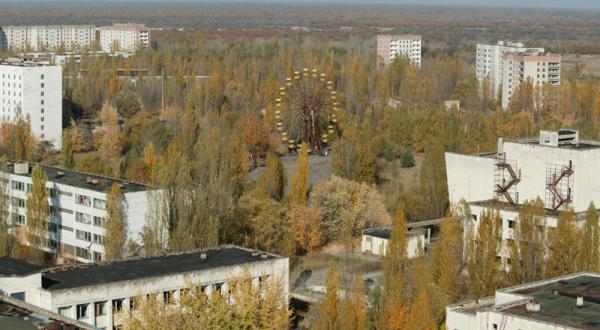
{"points": [[21, 86], [470, 177], [30, 284], [378, 246]]}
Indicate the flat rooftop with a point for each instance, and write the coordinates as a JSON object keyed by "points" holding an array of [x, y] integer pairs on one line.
{"points": [[582, 145], [15, 267], [557, 301], [84, 275], [83, 180], [499, 205], [386, 233]]}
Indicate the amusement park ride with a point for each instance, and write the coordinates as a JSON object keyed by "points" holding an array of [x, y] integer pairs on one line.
{"points": [[306, 111]]}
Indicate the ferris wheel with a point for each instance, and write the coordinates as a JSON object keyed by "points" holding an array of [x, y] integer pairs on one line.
{"points": [[306, 111]]}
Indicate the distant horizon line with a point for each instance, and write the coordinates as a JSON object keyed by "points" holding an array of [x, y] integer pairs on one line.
{"points": [[430, 3]]}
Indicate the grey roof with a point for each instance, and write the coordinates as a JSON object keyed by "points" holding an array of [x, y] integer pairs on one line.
{"points": [[386, 233], [15, 267], [132, 269], [557, 301], [83, 180], [378, 232]]}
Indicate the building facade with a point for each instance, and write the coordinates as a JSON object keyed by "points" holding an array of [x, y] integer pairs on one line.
{"points": [[390, 47], [48, 37], [567, 302], [123, 37], [101, 294], [77, 209], [540, 68], [33, 91], [489, 61], [556, 167]]}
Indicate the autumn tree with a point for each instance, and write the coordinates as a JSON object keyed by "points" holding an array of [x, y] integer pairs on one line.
{"points": [[447, 259], [433, 180], [262, 223], [352, 309], [37, 212], [528, 247], [67, 159], [109, 145], [329, 317], [591, 240], [155, 233], [253, 307], [271, 181], [116, 231], [348, 203], [22, 140], [300, 181], [393, 308], [7, 240], [483, 247], [305, 221], [564, 249]]}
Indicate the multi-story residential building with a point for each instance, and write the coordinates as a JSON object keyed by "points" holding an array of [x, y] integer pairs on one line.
{"points": [[101, 294], [557, 167], [567, 302], [123, 37], [77, 209], [3, 42], [540, 68], [49, 37], [391, 46], [489, 61], [33, 91]]}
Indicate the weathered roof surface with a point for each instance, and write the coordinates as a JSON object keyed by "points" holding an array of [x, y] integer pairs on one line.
{"points": [[558, 302], [415, 229], [15, 267], [132, 269]]}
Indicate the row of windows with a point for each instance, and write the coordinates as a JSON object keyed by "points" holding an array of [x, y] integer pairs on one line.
{"points": [[168, 296], [89, 237], [79, 199], [87, 201]]}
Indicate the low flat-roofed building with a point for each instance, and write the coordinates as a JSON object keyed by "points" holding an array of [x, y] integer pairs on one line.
{"points": [[95, 293], [18, 315], [375, 240], [567, 302]]}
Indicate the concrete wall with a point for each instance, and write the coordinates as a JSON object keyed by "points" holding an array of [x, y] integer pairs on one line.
{"points": [[470, 177], [456, 320], [30, 284], [46, 125], [532, 160], [378, 246]]}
